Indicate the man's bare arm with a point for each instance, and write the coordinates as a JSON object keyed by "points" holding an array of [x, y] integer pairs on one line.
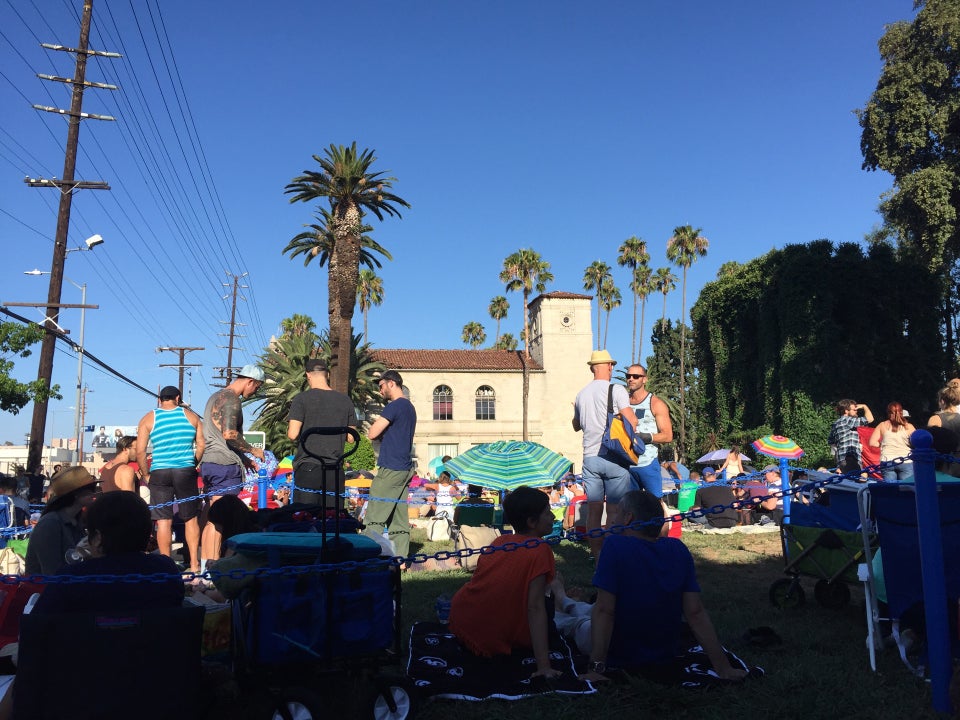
{"points": [[144, 428], [293, 429], [661, 413], [379, 426]]}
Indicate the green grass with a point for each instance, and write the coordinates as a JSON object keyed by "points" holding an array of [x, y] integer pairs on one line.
{"points": [[820, 671]]}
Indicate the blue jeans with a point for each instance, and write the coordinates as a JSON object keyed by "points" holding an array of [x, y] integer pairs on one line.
{"points": [[648, 477], [602, 478], [898, 472]]}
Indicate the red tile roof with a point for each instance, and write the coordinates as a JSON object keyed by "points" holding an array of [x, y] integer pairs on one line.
{"points": [[491, 360], [562, 295]]}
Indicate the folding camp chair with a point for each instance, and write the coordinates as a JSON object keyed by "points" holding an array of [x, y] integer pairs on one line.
{"points": [[93, 666], [891, 508]]}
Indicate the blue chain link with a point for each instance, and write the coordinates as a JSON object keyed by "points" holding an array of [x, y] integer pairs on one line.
{"points": [[418, 558]]}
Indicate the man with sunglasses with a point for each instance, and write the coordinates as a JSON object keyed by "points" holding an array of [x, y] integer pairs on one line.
{"points": [[653, 427]]}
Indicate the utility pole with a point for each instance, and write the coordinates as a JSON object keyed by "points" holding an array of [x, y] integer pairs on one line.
{"points": [[67, 185], [228, 370], [181, 365]]}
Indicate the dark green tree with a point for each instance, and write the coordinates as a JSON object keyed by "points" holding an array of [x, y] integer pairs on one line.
{"points": [[911, 129], [663, 372], [775, 349]]}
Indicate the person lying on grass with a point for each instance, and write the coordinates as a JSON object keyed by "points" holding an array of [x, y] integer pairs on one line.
{"points": [[646, 586], [502, 607]]}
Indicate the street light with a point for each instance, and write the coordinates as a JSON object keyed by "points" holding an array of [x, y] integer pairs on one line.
{"points": [[77, 429]]}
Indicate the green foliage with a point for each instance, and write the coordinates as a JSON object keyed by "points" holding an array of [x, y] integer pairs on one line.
{"points": [[506, 342], [364, 458], [347, 183], [910, 129], [15, 341], [595, 276], [473, 334], [778, 340], [663, 372]]}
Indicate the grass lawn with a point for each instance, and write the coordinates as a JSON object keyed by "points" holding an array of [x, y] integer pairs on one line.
{"points": [[820, 671]]}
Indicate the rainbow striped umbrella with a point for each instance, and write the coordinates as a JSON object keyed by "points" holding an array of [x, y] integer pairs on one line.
{"points": [[777, 446], [508, 464]]}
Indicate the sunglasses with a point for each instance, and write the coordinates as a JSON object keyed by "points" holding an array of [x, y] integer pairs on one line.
{"points": [[634, 377]]}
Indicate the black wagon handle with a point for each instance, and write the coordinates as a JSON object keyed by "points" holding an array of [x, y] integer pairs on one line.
{"points": [[352, 436]]}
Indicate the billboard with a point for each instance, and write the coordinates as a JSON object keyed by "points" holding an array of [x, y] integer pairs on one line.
{"points": [[104, 437]]}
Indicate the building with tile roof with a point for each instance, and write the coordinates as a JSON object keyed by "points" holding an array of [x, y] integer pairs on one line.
{"points": [[466, 397]]}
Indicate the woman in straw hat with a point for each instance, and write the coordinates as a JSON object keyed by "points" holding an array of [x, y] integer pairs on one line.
{"points": [[60, 527]]}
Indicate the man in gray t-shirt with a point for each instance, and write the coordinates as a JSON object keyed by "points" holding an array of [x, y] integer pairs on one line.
{"points": [[602, 479], [318, 406]]}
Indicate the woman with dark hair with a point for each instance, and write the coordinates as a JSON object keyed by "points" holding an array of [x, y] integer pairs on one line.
{"points": [[118, 474], [119, 528], [60, 527], [231, 516], [892, 436]]}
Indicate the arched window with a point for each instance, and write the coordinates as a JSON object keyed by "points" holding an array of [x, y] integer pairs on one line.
{"points": [[486, 403], [442, 403]]}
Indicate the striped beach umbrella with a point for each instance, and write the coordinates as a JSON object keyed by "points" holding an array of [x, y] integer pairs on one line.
{"points": [[778, 446], [508, 464]]}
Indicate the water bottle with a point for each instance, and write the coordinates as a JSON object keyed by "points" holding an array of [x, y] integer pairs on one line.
{"points": [[78, 554], [443, 609]]}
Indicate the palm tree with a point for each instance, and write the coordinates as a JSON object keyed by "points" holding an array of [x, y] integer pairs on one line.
{"points": [[633, 254], [525, 270], [666, 282], [593, 278], [346, 180], [318, 241], [369, 294], [474, 334], [506, 342], [297, 325], [683, 249], [498, 311], [609, 297], [641, 286]]}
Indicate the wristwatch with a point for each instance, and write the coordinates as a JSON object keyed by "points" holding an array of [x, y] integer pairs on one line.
{"points": [[597, 666]]}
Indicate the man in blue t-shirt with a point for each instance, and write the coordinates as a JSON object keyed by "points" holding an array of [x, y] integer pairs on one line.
{"points": [[646, 586], [394, 429]]}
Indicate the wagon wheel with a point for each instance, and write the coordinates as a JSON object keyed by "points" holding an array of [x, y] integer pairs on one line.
{"points": [[395, 700], [297, 704], [831, 595], [786, 593]]}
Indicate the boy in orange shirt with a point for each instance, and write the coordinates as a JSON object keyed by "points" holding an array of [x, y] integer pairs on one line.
{"points": [[503, 606]]}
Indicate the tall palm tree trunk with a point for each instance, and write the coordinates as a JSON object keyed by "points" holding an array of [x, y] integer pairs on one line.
{"points": [[633, 342], [643, 314], [525, 361], [683, 378], [347, 274]]}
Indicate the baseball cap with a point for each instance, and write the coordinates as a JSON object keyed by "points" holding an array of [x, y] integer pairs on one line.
{"points": [[768, 468], [170, 392], [393, 376], [253, 372], [709, 471]]}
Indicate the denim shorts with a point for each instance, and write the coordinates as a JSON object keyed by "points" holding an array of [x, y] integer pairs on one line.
{"points": [[222, 479], [604, 479]]}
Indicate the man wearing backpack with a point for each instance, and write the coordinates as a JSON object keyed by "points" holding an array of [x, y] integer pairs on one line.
{"points": [[602, 479]]}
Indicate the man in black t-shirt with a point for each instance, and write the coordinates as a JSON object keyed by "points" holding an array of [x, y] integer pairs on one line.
{"points": [[320, 406], [714, 494]]}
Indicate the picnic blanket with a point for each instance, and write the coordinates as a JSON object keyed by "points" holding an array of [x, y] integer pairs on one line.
{"points": [[738, 529], [442, 667], [692, 669]]}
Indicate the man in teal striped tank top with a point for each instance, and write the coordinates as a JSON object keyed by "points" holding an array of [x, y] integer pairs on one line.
{"points": [[177, 443]]}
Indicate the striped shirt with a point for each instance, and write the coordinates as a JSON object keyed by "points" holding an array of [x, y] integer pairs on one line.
{"points": [[172, 439]]}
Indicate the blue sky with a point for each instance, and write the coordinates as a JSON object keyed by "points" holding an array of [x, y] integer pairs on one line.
{"points": [[565, 127]]}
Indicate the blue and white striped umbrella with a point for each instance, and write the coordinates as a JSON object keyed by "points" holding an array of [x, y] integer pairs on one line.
{"points": [[508, 464]]}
